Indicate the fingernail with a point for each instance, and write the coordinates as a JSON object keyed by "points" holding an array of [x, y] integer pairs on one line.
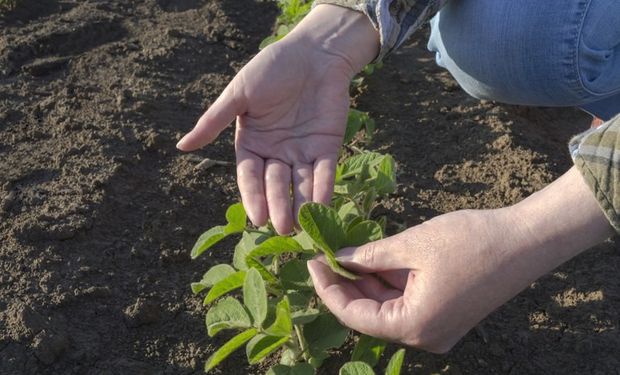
{"points": [[345, 255], [182, 142]]}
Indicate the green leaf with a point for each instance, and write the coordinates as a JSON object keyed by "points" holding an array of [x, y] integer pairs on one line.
{"points": [[255, 296], [322, 225], [316, 359], [306, 316], [299, 300], [304, 240], [283, 324], [370, 128], [354, 222], [294, 275], [363, 232], [298, 369], [396, 363], [248, 242], [227, 284], [348, 212], [267, 41], [208, 239], [288, 357], [226, 314], [263, 345], [368, 349], [227, 349], [385, 181], [370, 201], [324, 333], [359, 165], [237, 219], [260, 267], [356, 368], [337, 268], [354, 124], [212, 276], [276, 246]]}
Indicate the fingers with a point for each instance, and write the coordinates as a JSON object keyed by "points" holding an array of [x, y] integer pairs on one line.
{"points": [[324, 173], [302, 186], [373, 288], [221, 113], [396, 279], [250, 178], [383, 255], [277, 188], [355, 310]]}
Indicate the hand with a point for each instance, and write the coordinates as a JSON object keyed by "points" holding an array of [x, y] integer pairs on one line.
{"points": [[428, 286], [291, 103]]}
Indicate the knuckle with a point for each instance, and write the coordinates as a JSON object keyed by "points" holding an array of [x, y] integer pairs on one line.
{"points": [[367, 255]]}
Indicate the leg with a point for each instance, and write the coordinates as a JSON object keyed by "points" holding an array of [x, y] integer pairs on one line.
{"points": [[531, 52]]}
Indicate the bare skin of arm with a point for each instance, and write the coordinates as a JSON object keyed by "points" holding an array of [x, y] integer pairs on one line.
{"points": [[450, 272]]}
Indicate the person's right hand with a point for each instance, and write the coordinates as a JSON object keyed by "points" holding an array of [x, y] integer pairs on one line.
{"points": [[291, 103], [429, 285]]}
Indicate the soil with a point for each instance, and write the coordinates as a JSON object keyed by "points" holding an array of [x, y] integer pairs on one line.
{"points": [[98, 210]]}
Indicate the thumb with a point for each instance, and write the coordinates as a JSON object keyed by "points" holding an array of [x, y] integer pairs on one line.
{"points": [[221, 113], [383, 255]]}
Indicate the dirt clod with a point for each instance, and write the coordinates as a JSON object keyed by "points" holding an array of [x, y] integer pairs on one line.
{"points": [[48, 347], [142, 312]]}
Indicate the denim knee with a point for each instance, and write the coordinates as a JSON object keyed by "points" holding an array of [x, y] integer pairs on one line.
{"points": [[599, 48], [531, 52]]}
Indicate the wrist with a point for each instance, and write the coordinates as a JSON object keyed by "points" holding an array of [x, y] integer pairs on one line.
{"points": [[340, 32], [557, 223]]}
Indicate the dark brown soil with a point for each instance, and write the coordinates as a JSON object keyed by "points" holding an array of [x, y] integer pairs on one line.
{"points": [[98, 210]]}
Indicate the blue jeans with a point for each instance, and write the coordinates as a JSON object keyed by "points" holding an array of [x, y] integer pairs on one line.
{"points": [[533, 52]]}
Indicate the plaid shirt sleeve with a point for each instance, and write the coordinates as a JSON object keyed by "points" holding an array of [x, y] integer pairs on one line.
{"points": [[396, 20], [596, 153]]}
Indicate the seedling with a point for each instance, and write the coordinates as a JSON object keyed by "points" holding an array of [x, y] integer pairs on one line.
{"points": [[266, 292], [292, 11]]}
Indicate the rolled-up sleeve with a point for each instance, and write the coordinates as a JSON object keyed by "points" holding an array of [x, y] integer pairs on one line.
{"points": [[396, 20], [596, 154]]}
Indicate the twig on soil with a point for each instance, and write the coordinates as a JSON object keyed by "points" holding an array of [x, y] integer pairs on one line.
{"points": [[207, 163]]}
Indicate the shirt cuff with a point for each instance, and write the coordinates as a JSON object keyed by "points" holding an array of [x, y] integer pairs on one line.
{"points": [[596, 153], [395, 20]]}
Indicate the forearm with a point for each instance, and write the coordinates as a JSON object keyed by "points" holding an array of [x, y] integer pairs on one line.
{"points": [[555, 224]]}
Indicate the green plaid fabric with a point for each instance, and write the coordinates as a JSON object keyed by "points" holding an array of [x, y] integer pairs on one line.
{"points": [[596, 154]]}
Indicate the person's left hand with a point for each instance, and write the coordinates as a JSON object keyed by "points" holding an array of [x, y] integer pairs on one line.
{"points": [[291, 103]]}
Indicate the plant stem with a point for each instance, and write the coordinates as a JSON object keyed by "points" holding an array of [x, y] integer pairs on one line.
{"points": [[302, 341], [250, 230]]}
